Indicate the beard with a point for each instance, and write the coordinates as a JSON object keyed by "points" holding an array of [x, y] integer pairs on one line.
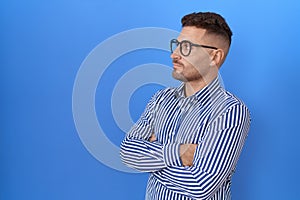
{"points": [[178, 76], [190, 76]]}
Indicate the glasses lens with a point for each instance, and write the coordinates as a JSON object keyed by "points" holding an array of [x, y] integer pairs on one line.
{"points": [[185, 48], [173, 45]]}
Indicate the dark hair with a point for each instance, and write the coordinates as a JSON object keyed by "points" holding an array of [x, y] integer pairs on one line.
{"points": [[212, 22]]}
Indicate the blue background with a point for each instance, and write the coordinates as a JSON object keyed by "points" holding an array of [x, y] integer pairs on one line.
{"points": [[43, 44]]}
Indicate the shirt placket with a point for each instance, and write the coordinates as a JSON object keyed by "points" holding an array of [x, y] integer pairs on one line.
{"points": [[180, 115], [184, 107]]}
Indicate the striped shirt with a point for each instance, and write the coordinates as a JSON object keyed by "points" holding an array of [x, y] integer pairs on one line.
{"points": [[212, 118]]}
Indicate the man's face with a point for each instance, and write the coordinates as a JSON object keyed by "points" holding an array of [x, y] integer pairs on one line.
{"points": [[197, 65]]}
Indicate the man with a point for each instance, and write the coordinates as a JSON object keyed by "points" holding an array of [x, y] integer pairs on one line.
{"points": [[190, 138]]}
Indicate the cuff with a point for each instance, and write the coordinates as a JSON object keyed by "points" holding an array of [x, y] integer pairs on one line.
{"points": [[171, 154]]}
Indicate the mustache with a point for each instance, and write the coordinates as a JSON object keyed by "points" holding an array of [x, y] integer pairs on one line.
{"points": [[174, 61]]}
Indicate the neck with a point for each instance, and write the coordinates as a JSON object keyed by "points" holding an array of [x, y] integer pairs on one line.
{"points": [[192, 87]]}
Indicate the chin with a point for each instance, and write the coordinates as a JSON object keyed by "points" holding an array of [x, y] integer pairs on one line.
{"points": [[178, 76]]}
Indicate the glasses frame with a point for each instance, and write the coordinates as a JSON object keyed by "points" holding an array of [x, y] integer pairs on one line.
{"points": [[175, 41]]}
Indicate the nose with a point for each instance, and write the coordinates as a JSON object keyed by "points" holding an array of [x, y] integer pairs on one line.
{"points": [[176, 55]]}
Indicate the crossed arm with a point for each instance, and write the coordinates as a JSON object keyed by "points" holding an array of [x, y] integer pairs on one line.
{"points": [[205, 166], [186, 152]]}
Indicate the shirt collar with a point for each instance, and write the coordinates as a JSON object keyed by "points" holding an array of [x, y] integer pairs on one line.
{"points": [[204, 95]]}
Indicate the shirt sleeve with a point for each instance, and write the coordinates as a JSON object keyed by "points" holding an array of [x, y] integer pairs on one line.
{"points": [[216, 155], [136, 150]]}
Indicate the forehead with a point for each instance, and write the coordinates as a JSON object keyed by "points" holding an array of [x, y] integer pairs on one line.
{"points": [[192, 34]]}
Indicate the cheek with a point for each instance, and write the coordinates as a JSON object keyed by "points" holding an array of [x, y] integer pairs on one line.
{"points": [[198, 62], [201, 66]]}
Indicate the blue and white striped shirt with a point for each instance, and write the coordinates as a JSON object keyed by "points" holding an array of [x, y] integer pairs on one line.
{"points": [[212, 118]]}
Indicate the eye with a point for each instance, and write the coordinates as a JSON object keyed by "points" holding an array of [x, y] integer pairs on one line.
{"points": [[186, 45]]}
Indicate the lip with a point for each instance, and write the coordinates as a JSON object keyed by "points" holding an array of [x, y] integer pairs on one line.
{"points": [[176, 65]]}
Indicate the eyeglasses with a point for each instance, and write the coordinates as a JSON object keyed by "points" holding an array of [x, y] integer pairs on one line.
{"points": [[186, 46]]}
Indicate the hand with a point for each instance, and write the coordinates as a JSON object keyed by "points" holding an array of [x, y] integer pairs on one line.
{"points": [[187, 152], [152, 138]]}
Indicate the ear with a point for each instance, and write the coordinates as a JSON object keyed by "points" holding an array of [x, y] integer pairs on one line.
{"points": [[218, 57]]}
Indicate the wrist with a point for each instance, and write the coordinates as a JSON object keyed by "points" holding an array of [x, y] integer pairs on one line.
{"points": [[171, 154]]}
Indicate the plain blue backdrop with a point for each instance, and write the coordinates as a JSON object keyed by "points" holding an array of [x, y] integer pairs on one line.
{"points": [[43, 44]]}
